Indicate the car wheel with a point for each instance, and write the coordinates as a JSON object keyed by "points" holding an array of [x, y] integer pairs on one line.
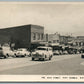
{"points": [[25, 55], [49, 58], [5, 57], [43, 59], [14, 55], [32, 58], [22, 56], [17, 56], [82, 56]]}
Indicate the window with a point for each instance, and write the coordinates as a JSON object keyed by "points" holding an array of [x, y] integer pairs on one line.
{"points": [[34, 36], [38, 36], [41, 48], [54, 41], [41, 36]]}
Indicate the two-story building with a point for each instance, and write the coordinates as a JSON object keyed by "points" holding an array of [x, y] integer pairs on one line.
{"points": [[22, 36]]}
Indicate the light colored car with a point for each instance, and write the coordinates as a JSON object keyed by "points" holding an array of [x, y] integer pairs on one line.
{"points": [[2, 54], [56, 52], [42, 53], [21, 52], [60, 51], [65, 52], [6, 52]]}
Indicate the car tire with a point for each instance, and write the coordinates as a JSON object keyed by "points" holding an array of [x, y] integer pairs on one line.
{"points": [[14, 55], [39, 59], [5, 57], [25, 55], [17, 56], [82, 56], [43, 59], [49, 58], [32, 59]]}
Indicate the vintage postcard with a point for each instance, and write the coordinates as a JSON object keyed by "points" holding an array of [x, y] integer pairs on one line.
{"points": [[41, 41]]}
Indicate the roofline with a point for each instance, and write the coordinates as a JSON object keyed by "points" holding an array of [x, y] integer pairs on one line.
{"points": [[21, 26]]}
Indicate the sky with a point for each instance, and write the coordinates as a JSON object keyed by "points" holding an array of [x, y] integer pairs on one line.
{"points": [[64, 18]]}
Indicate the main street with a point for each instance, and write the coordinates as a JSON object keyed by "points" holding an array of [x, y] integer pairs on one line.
{"points": [[59, 65]]}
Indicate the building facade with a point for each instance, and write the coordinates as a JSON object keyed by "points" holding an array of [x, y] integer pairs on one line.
{"points": [[66, 39], [52, 38], [22, 36], [78, 41]]}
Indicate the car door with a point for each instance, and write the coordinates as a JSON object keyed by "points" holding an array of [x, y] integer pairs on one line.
{"points": [[49, 52]]}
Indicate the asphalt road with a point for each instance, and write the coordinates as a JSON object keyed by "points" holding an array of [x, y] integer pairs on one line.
{"points": [[59, 65]]}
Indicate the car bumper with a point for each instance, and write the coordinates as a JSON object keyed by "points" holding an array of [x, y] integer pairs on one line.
{"points": [[38, 57]]}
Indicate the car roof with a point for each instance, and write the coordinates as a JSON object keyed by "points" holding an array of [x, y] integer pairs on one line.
{"points": [[44, 47], [21, 48]]}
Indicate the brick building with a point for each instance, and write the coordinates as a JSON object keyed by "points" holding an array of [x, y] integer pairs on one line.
{"points": [[22, 36]]}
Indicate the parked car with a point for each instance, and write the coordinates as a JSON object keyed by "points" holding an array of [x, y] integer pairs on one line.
{"points": [[60, 52], [6, 52], [21, 52], [42, 53], [82, 54], [1, 53], [56, 52], [65, 52]]}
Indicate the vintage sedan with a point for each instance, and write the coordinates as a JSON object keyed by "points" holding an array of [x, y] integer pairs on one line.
{"points": [[6, 52], [21, 52], [65, 52], [56, 52], [42, 53]]}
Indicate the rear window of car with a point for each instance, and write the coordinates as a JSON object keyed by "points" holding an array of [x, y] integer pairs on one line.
{"points": [[0, 48], [41, 48]]}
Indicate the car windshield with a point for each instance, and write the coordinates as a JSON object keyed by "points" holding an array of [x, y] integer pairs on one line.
{"points": [[41, 48]]}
